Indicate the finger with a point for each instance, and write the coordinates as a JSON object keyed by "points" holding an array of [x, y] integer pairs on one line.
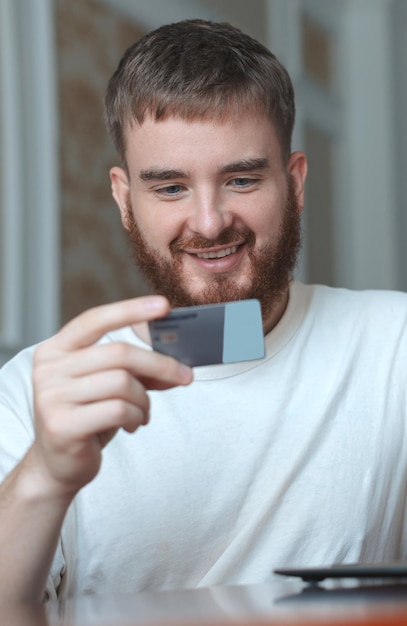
{"points": [[99, 417], [92, 419], [116, 384], [155, 370], [90, 326]]}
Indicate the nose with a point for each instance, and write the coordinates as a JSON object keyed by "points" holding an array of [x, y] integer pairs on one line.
{"points": [[209, 215]]}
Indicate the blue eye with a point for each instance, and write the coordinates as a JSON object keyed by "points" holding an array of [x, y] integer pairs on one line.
{"points": [[243, 183], [172, 190]]}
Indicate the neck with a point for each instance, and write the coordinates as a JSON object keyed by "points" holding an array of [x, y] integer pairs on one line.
{"points": [[277, 313]]}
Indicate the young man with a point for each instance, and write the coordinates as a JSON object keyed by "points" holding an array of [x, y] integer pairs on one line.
{"points": [[296, 459]]}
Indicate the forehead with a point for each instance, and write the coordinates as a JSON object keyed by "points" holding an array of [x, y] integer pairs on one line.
{"points": [[175, 139]]}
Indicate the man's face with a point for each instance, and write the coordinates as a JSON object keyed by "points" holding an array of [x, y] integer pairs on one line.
{"points": [[212, 213]]}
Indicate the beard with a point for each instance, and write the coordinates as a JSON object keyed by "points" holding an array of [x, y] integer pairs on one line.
{"points": [[272, 265]]}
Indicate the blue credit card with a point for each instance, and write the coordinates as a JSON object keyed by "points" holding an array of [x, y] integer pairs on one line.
{"points": [[211, 334]]}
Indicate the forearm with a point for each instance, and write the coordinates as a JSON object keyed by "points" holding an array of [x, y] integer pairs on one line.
{"points": [[31, 518]]}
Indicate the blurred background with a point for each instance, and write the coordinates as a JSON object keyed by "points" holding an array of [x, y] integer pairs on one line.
{"points": [[62, 249]]}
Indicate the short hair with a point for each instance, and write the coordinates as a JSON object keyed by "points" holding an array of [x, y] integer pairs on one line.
{"points": [[197, 69]]}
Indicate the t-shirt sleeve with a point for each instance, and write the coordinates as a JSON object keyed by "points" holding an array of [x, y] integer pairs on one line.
{"points": [[17, 433]]}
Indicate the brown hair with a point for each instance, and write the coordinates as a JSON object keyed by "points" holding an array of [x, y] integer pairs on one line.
{"points": [[197, 69]]}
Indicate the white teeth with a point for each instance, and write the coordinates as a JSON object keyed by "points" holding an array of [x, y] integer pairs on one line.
{"points": [[217, 255]]}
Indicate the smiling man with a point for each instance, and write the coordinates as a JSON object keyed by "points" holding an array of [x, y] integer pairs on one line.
{"points": [[297, 459], [227, 206], [207, 156]]}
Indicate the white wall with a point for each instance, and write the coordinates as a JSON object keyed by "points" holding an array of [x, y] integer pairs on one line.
{"points": [[30, 205], [359, 116]]}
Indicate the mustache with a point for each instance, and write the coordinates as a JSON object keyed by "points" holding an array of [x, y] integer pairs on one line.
{"points": [[230, 235]]}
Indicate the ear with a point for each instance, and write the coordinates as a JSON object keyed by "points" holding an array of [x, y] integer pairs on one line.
{"points": [[121, 192], [297, 170]]}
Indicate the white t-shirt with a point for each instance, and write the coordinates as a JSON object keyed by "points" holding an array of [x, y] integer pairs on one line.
{"points": [[296, 459]]}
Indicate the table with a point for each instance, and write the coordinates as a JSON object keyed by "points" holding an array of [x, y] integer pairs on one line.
{"points": [[287, 603]]}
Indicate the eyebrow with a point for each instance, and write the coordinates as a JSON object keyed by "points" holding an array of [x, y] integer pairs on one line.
{"points": [[246, 165], [243, 165], [155, 173]]}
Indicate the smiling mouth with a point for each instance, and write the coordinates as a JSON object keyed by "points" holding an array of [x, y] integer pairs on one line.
{"points": [[219, 254]]}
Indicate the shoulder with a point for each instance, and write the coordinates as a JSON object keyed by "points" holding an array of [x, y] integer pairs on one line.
{"points": [[348, 302], [17, 368], [371, 316]]}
